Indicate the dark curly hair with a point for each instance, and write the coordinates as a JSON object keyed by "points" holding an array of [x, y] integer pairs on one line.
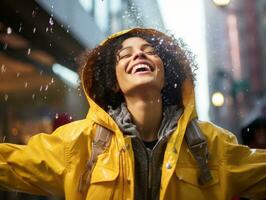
{"points": [[99, 77]]}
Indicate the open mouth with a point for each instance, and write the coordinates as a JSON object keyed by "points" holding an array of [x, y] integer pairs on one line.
{"points": [[141, 68]]}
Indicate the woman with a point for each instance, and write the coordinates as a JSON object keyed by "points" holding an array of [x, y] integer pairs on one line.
{"points": [[140, 139]]}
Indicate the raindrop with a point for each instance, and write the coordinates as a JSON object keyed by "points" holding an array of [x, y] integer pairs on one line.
{"points": [[56, 115], [3, 68], [29, 50], [33, 13], [175, 85], [34, 30], [70, 118], [46, 87], [4, 138], [26, 84], [67, 31], [47, 29], [247, 129], [6, 97], [41, 72], [20, 27], [52, 80], [5, 46], [9, 30], [18, 74], [62, 25], [33, 96], [41, 88], [51, 22]]}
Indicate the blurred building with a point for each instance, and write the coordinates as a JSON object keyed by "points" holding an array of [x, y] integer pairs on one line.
{"points": [[235, 35], [41, 43]]}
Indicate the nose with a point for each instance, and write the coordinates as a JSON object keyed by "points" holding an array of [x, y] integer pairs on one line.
{"points": [[139, 54]]}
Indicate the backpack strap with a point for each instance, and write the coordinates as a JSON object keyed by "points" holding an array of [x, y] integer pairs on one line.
{"points": [[100, 143], [198, 147]]}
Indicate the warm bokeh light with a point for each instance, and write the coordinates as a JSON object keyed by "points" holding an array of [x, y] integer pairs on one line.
{"points": [[221, 2], [217, 99]]}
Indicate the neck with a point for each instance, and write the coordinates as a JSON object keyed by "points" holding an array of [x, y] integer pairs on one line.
{"points": [[146, 114]]}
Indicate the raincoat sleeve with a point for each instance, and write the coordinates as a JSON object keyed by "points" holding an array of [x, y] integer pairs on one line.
{"points": [[245, 169], [36, 168]]}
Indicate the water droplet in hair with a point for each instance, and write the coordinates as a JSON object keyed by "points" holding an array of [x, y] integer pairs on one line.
{"points": [[5, 46], [9, 30], [33, 13], [19, 29], [34, 30], [6, 97], [26, 84], [51, 21], [18, 74], [33, 96], [29, 51], [3, 68], [56, 115], [41, 88]]}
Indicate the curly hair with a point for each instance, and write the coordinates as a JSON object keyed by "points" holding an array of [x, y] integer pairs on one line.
{"points": [[99, 75]]}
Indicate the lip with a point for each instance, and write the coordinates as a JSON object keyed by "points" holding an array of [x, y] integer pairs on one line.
{"points": [[129, 70]]}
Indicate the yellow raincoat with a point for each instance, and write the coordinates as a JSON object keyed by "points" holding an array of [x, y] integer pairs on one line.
{"points": [[53, 164]]}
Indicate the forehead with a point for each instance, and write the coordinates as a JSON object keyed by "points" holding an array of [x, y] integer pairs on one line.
{"points": [[134, 41]]}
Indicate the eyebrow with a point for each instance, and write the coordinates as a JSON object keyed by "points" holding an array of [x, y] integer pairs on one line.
{"points": [[144, 45]]}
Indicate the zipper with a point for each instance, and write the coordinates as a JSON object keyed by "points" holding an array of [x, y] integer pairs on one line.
{"points": [[149, 170]]}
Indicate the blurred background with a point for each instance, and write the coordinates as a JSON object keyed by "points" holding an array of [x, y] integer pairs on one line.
{"points": [[41, 41]]}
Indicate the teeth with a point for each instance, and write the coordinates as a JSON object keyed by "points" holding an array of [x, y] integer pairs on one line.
{"points": [[136, 67]]}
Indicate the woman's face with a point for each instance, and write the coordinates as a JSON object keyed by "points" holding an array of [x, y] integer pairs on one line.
{"points": [[138, 67]]}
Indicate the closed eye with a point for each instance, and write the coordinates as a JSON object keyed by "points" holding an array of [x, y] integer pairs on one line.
{"points": [[149, 50]]}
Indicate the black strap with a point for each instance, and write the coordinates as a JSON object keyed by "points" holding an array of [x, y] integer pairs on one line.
{"points": [[198, 147]]}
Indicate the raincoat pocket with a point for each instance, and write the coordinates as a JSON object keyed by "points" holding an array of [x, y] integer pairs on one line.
{"points": [[103, 178], [105, 169], [102, 174], [190, 175]]}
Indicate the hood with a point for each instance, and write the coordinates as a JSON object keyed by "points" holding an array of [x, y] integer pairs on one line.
{"points": [[97, 112]]}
